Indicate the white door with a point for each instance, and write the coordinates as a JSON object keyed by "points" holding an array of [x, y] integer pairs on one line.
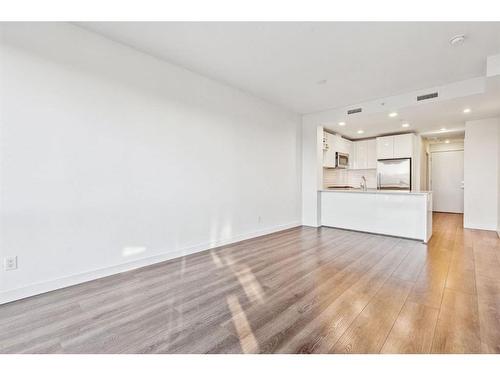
{"points": [[447, 181]]}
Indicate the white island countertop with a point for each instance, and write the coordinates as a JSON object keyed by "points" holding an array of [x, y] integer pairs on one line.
{"points": [[401, 213], [377, 191]]}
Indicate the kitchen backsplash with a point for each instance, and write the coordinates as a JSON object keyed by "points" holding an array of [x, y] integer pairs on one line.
{"points": [[349, 177]]}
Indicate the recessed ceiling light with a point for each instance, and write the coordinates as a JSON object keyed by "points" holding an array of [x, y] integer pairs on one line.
{"points": [[467, 110], [393, 114], [341, 123], [457, 40], [405, 125], [361, 131], [447, 141], [443, 129]]}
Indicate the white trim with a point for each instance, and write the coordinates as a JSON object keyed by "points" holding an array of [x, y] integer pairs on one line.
{"points": [[51, 285]]}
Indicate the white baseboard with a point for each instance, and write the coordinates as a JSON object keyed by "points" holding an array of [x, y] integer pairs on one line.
{"points": [[480, 227], [48, 286]]}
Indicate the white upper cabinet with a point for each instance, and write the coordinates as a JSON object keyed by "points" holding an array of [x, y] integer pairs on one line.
{"points": [[395, 146], [371, 154], [403, 146], [342, 145], [328, 150], [358, 157], [385, 147], [364, 154], [333, 144]]}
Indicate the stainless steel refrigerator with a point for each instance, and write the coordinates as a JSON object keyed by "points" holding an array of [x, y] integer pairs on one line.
{"points": [[394, 174]]}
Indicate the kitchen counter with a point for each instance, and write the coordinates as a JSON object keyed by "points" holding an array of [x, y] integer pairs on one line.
{"points": [[398, 213], [377, 191]]}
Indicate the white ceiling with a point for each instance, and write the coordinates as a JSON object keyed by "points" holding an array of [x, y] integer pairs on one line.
{"points": [[425, 118], [283, 62]]}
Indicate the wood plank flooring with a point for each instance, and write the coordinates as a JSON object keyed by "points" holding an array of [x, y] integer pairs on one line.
{"points": [[303, 290]]}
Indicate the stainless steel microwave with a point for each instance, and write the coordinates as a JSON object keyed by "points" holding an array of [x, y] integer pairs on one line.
{"points": [[341, 160]]}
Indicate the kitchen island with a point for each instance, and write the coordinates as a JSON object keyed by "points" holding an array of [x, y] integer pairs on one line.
{"points": [[398, 213]]}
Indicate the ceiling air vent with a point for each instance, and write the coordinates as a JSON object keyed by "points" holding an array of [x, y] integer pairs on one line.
{"points": [[427, 96], [353, 111]]}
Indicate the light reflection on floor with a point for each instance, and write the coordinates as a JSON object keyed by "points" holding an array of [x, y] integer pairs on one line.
{"points": [[247, 280], [248, 342], [217, 261]]}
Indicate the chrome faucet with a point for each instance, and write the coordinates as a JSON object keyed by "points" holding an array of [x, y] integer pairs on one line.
{"points": [[363, 183]]}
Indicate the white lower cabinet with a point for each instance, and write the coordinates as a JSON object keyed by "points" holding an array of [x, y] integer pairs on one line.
{"points": [[398, 214]]}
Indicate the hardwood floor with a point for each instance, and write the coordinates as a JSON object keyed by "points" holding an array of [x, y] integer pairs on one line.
{"points": [[304, 290]]}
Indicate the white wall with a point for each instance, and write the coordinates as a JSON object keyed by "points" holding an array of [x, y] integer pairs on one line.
{"points": [[498, 184], [349, 177], [454, 145], [416, 162], [112, 159], [481, 174], [312, 171], [424, 146]]}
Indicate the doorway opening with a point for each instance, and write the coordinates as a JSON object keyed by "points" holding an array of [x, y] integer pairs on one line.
{"points": [[445, 167]]}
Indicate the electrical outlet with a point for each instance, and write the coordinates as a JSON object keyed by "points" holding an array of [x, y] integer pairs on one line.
{"points": [[10, 263], [260, 219]]}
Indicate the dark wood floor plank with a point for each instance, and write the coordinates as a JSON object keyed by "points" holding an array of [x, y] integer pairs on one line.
{"points": [[457, 329], [412, 265], [221, 304], [319, 334], [413, 330], [462, 273], [272, 326], [309, 290], [368, 332], [430, 284], [489, 313]]}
